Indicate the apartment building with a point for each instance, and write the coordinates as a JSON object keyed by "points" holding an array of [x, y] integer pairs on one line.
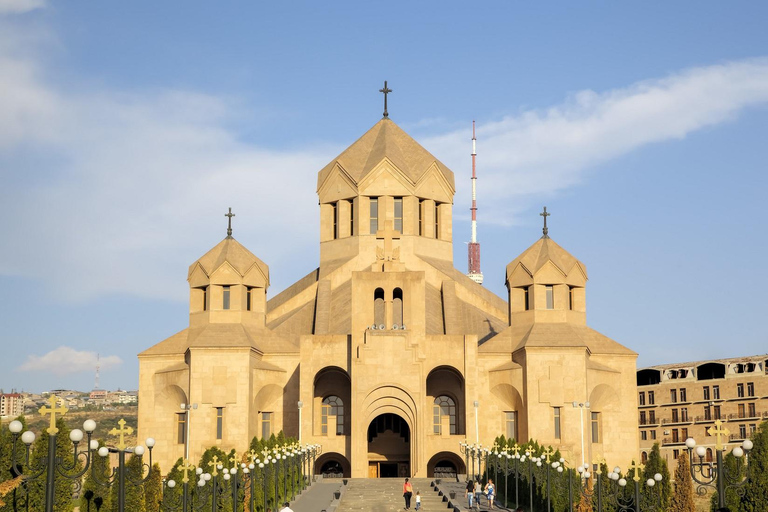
{"points": [[678, 401], [11, 404]]}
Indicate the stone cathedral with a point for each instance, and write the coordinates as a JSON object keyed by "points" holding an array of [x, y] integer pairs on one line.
{"points": [[385, 354]]}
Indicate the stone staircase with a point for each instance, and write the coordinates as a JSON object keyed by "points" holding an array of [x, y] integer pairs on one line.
{"points": [[386, 495]]}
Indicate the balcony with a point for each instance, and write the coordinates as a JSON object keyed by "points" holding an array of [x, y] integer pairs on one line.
{"points": [[672, 421], [669, 441], [648, 422]]}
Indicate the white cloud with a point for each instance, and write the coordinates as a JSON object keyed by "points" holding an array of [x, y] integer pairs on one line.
{"points": [[67, 360], [20, 6], [540, 152]]}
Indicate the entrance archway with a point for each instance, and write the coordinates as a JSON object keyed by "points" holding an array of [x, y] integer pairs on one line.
{"points": [[446, 465], [389, 447]]}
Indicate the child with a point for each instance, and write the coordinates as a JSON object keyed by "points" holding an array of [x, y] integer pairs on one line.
{"points": [[418, 500]]}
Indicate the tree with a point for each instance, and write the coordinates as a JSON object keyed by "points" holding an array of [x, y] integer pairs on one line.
{"points": [[656, 464], [736, 471], [99, 467], [153, 489], [63, 486], [755, 499], [682, 499], [8, 483], [173, 495], [134, 494]]}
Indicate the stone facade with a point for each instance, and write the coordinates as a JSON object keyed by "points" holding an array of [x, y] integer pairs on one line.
{"points": [[678, 401], [395, 355]]}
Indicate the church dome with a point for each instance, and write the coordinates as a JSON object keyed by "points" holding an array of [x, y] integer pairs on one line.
{"points": [[230, 251], [385, 140], [543, 253]]}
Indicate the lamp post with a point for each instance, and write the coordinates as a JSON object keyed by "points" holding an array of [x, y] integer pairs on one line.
{"points": [[187, 408], [617, 491], [477, 430], [119, 474], [300, 404], [581, 406], [717, 475], [51, 464]]}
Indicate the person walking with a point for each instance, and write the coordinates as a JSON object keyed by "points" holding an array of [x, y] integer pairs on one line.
{"points": [[470, 493], [490, 492], [478, 493], [418, 500], [407, 493]]}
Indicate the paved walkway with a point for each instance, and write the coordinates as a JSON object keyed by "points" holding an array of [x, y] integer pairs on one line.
{"points": [[320, 496]]}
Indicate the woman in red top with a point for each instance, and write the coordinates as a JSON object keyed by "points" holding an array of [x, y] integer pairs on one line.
{"points": [[407, 493]]}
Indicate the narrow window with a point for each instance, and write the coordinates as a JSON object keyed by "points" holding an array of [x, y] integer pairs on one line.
{"points": [[248, 292], [752, 429], [717, 412], [437, 220], [644, 456], [652, 417], [716, 392], [266, 425], [570, 297], [225, 297], [740, 390], [651, 398], [707, 413], [332, 406], [673, 395], [510, 423], [750, 389], [709, 455], [335, 215], [741, 410], [706, 392], [181, 427], [205, 298], [595, 427], [379, 313], [527, 298], [444, 406], [641, 400], [653, 435], [683, 434], [742, 431], [643, 435], [643, 418], [557, 422], [399, 214], [683, 395], [675, 416], [351, 217], [219, 422], [675, 454], [397, 307], [421, 217], [550, 296], [752, 411], [374, 215], [675, 436], [684, 414]]}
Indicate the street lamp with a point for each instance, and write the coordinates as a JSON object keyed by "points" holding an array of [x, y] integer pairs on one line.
{"points": [[716, 475], [300, 404], [187, 408], [477, 430], [581, 406]]}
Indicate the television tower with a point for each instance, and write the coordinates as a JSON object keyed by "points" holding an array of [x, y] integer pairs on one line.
{"points": [[473, 247], [98, 363]]}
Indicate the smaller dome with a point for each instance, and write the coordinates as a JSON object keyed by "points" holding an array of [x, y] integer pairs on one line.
{"points": [[540, 253], [230, 251]]}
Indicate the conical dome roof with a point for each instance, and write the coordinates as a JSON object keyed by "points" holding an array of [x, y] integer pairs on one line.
{"points": [[385, 139], [230, 251], [545, 250]]}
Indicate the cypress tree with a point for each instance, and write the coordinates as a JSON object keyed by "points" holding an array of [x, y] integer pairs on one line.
{"points": [[153, 489], [656, 464], [755, 498], [682, 499], [134, 494], [63, 501], [173, 496], [736, 471], [99, 467], [206, 462], [7, 481]]}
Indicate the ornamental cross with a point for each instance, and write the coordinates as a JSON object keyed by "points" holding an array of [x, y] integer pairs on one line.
{"points": [[516, 448], [386, 90], [53, 401], [388, 234], [548, 453], [253, 455], [719, 434], [186, 467], [122, 431], [215, 463], [637, 468], [545, 230], [233, 459], [229, 222]]}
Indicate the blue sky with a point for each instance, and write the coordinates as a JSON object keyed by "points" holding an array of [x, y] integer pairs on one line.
{"points": [[123, 126]]}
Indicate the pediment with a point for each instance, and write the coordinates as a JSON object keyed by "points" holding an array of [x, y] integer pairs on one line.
{"points": [[549, 273], [198, 277], [520, 276], [225, 274], [255, 277], [338, 185], [386, 179], [577, 275], [433, 185]]}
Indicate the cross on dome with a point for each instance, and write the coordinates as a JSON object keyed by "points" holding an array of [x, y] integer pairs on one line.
{"points": [[386, 90], [545, 230], [229, 222]]}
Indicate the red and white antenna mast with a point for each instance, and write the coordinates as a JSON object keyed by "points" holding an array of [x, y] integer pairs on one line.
{"points": [[473, 247]]}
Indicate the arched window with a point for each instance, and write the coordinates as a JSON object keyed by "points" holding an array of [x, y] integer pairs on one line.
{"points": [[332, 406], [379, 313], [443, 406], [709, 454], [644, 457], [397, 306]]}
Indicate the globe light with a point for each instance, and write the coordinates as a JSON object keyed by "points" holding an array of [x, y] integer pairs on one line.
{"points": [[701, 451], [139, 450], [650, 482], [150, 442], [207, 476], [89, 425], [690, 442], [559, 469], [94, 444], [657, 477], [580, 469], [200, 482], [261, 465], [738, 452], [623, 482], [538, 464], [103, 451], [587, 474], [246, 471], [233, 471], [28, 437], [747, 445], [199, 471], [15, 426], [226, 476], [617, 469], [76, 435], [225, 471]]}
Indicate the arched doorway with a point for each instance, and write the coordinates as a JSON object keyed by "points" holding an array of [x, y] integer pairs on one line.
{"points": [[333, 465], [446, 465], [389, 447]]}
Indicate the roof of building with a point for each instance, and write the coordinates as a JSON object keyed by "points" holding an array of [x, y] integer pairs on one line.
{"points": [[553, 334], [385, 140], [233, 252], [690, 364], [545, 250]]}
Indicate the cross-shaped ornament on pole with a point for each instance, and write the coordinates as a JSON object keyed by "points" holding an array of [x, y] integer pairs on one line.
{"points": [[53, 401], [122, 431], [185, 467], [545, 230], [637, 468], [386, 90], [719, 433], [229, 222], [214, 462]]}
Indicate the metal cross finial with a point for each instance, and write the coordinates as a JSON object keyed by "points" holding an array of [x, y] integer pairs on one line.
{"points": [[122, 431], [386, 90], [253, 455], [186, 467], [637, 468], [545, 230], [233, 459], [53, 401], [215, 463], [229, 225], [516, 448], [548, 452], [719, 434]]}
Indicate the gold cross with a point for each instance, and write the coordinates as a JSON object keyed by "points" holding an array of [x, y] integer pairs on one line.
{"points": [[719, 434], [215, 463], [516, 448], [186, 467], [121, 432], [233, 459], [637, 468], [252, 455], [388, 234], [53, 410], [548, 453]]}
